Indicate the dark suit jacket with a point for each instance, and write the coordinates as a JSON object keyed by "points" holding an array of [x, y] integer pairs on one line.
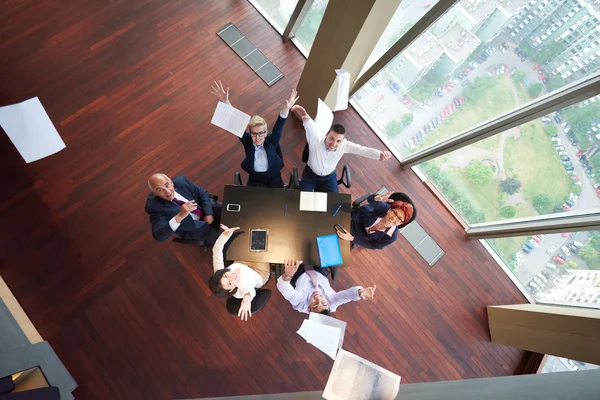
{"points": [[161, 211], [271, 147], [365, 216]]}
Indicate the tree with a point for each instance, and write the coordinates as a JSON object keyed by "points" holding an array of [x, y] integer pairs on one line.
{"points": [[535, 90], [479, 174], [543, 203], [510, 185], [590, 256], [396, 126], [595, 242], [519, 76], [508, 211], [551, 130]]}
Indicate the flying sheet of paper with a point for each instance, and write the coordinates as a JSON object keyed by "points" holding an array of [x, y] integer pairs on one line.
{"points": [[323, 337], [30, 129], [354, 377], [313, 201], [329, 321], [231, 119], [343, 92], [324, 118]]}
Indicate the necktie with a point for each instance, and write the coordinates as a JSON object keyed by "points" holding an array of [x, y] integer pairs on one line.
{"points": [[197, 211], [312, 274]]}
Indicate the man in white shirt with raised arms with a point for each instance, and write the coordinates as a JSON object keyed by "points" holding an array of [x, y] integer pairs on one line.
{"points": [[325, 151]]}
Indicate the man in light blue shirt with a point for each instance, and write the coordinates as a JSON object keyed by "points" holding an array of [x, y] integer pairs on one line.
{"points": [[308, 290]]}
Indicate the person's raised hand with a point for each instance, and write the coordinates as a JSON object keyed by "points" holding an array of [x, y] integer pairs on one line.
{"points": [[187, 208], [289, 103], [209, 219], [245, 310], [345, 235], [385, 155], [367, 293], [228, 231], [300, 112], [291, 266], [385, 197], [218, 90]]}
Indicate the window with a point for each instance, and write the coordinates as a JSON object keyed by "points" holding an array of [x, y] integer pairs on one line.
{"points": [[561, 269], [279, 10], [310, 24]]}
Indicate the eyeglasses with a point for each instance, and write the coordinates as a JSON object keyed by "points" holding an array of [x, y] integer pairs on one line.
{"points": [[398, 216], [258, 134]]}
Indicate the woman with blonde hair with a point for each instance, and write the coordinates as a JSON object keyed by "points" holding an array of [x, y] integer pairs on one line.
{"points": [[263, 161]]}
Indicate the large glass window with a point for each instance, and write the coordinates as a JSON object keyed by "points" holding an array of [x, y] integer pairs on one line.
{"points": [[538, 168], [561, 269], [310, 24], [280, 11], [479, 61]]}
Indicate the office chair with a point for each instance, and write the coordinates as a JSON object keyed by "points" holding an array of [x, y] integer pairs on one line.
{"points": [[345, 179], [258, 302], [293, 183]]}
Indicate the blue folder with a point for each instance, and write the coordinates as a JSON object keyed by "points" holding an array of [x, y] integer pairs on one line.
{"points": [[330, 253]]}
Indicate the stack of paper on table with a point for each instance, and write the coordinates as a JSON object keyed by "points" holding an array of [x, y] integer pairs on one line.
{"points": [[353, 377], [313, 201], [323, 337]]}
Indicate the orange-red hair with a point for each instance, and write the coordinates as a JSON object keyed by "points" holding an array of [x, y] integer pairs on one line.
{"points": [[406, 207]]}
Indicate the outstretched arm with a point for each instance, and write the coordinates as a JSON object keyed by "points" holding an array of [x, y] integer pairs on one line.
{"points": [[218, 247], [219, 91]]}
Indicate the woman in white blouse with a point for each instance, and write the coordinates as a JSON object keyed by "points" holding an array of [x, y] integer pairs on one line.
{"points": [[240, 279]]}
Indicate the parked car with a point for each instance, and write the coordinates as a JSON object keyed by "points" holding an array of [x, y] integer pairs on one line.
{"points": [[565, 250], [538, 281], [526, 249], [534, 286], [557, 119], [465, 83], [551, 249], [537, 239], [578, 244], [565, 158], [513, 71], [533, 243], [547, 120], [551, 266], [529, 245], [542, 277], [558, 259], [570, 203]]}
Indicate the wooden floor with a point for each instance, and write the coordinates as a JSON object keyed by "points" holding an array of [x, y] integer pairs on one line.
{"points": [[127, 85]]}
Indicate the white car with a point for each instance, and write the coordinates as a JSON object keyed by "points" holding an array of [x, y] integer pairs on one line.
{"points": [[541, 236], [551, 249], [538, 281], [534, 285], [520, 262], [578, 244], [565, 250], [551, 266], [542, 277], [519, 256], [424, 106], [533, 243]]}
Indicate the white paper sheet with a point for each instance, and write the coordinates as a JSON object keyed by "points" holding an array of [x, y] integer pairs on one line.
{"points": [[30, 129], [323, 337], [329, 321], [356, 378], [313, 201], [231, 119], [343, 92], [324, 118]]}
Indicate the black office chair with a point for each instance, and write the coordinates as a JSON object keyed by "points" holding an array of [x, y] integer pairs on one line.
{"points": [[345, 179], [293, 183], [258, 302]]}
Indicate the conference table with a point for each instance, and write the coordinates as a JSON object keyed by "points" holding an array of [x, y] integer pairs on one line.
{"points": [[291, 233]]}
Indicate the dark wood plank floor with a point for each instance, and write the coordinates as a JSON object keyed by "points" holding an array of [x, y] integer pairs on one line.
{"points": [[126, 83]]}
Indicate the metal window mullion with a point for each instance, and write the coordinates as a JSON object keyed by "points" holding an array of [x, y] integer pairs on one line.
{"points": [[296, 19], [418, 28], [566, 96], [588, 220]]}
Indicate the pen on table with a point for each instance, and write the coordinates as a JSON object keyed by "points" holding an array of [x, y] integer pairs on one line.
{"points": [[338, 209], [285, 211]]}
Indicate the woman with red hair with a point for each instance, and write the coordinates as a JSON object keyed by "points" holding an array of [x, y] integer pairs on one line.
{"points": [[375, 225]]}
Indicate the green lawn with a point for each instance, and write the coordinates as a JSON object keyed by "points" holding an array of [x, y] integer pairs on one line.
{"points": [[533, 160], [506, 248], [489, 98]]}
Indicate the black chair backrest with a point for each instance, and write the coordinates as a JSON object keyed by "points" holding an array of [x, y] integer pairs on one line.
{"points": [[305, 154], [404, 197]]}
